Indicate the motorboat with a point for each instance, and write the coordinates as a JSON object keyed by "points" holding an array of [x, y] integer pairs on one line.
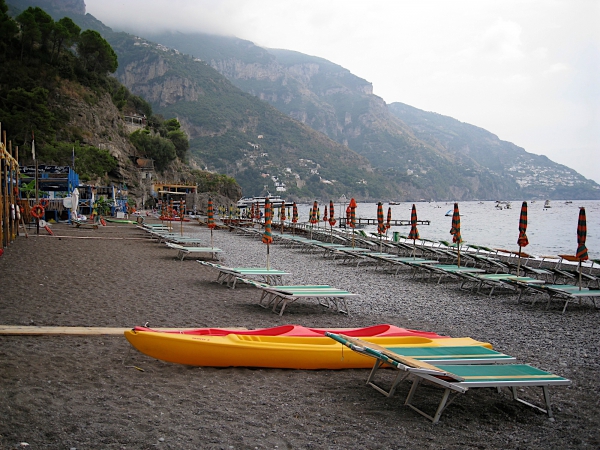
{"points": [[247, 202]]}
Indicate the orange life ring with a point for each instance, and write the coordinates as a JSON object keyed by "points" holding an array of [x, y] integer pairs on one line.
{"points": [[37, 211], [44, 202]]}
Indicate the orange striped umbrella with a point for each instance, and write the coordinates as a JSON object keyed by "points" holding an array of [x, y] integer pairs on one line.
{"points": [[455, 230], [522, 241], [267, 237], [325, 214], [582, 252]]}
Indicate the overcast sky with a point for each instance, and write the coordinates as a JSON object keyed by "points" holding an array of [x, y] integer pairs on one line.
{"points": [[525, 70]]}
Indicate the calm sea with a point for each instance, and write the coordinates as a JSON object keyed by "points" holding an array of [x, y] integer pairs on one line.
{"points": [[551, 231]]}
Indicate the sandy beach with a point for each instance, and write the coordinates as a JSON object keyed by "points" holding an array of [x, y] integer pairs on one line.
{"points": [[97, 392]]}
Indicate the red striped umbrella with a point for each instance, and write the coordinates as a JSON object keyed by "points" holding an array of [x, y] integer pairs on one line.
{"points": [[267, 237], [331, 214], [455, 230], [313, 216], [325, 214], [294, 217], [388, 223], [352, 206], [522, 241], [414, 232], [380, 224], [352, 217], [331, 218], [210, 222], [313, 213], [582, 253]]}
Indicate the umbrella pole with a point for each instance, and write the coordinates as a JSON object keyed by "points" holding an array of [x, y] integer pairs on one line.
{"points": [[458, 255], [580, 275], [268, 265], [414, 248], [211, 238], [519, 263]]}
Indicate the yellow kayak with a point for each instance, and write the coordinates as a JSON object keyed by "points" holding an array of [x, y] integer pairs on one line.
{"points": [[282, 352]]}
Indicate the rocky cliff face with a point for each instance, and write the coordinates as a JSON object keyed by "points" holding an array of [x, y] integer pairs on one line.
{"points": [[149, 79], [97, 121]]}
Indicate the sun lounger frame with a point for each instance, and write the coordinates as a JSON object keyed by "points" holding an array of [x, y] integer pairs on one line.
{"points": [[231, 275], [183, 251], [281, 296]]}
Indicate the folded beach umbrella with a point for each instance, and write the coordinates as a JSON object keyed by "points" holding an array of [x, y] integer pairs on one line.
{"points": [[313, 213], [388, 223], [313, 216], [210, 221], [380, 224], [331, 213], [267, 237], [283, 217], [414, 232], [325, 214], [582, 253], [331, 218], [352, 217], [294, 217], [455, 230], [522, 241]]}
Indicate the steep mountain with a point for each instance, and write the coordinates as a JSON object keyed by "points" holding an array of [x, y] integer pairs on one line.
{"points": [[537, 175], [382, 151], [341, 105]]}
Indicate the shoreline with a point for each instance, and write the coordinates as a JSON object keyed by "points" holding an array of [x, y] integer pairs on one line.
{"points": [[93, 397]]}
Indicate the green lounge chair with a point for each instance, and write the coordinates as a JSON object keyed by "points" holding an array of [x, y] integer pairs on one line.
{"points": [[454, 379]]}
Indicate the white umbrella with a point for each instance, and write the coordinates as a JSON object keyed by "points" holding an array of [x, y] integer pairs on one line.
{"points": [[74, 202]]}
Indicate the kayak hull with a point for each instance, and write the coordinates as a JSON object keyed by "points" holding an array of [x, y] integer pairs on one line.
{"points": [[282, 352]]}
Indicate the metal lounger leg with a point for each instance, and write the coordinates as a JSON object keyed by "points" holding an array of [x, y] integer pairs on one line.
{"points": [[444, 402], [546, 394], [399, 378]]}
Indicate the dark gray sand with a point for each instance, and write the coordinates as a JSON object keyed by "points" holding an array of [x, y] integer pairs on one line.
{"points": [[86, 392]]}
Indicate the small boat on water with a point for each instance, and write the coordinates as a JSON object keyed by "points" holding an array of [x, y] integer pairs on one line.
{"points": [[247, 202], [547, 204], [282, 352]]}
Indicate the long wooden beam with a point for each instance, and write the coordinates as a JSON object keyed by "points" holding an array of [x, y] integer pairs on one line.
{"points": [[34, 330]]}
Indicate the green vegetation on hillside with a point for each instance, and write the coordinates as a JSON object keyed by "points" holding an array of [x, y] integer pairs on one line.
{"points": [[37, 53]]}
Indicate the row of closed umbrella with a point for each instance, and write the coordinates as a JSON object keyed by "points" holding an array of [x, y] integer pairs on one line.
{"points": [[522, 241]]}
